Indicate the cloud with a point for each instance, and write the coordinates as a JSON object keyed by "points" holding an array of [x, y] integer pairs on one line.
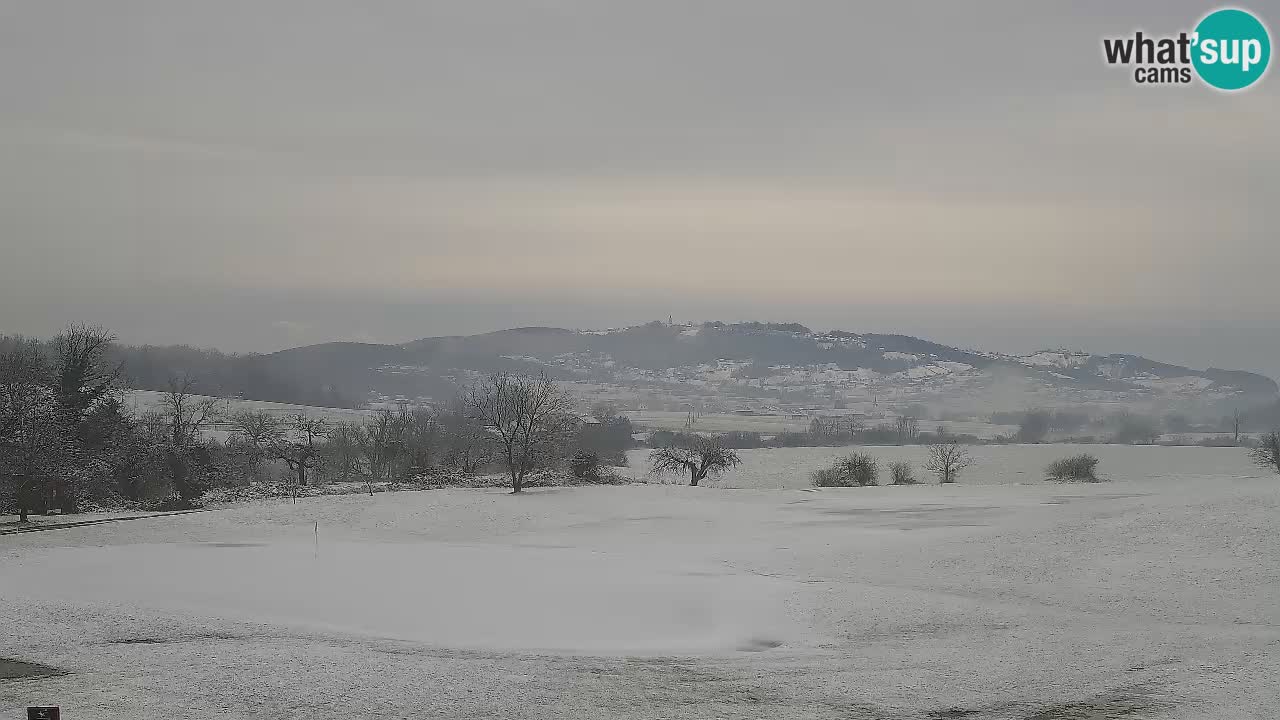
{"points": [[927, 165]]}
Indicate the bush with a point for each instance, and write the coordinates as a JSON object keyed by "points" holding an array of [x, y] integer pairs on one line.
{"points": [[1076, 468], [743, 439], [901, 473], [169, 503], [856, 470], [585, 466]]}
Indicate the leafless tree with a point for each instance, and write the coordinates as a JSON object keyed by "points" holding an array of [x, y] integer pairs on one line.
{"points": [[256, 427], [379, 443], [298, 447], [186, 415], [697, 455], [1267, 453], [834, 428], [154, 425], [468, 445], [420, 438], [1237, 419], [947, 460], [908, 428], [254, 433], [528, 414], [343, 447], [902, 473]]}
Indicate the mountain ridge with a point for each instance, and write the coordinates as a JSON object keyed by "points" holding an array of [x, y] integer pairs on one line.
{"points": [[747, 362]]}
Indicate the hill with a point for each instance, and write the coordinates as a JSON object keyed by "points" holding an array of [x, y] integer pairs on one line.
{"points": [[746, 367]]}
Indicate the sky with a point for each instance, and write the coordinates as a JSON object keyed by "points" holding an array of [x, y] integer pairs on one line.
{"points": [[253, 176]]}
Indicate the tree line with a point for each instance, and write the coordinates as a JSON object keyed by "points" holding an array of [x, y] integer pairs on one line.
{"points": [[150, 367], [68, 440]]}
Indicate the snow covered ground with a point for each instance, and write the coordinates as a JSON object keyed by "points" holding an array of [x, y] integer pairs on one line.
{"points": [[1144, 598], [993, 464]]}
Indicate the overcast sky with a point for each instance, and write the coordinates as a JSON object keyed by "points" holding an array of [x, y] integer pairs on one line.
{"points": [[253, 175]]}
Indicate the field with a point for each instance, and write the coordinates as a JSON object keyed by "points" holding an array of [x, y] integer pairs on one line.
{"points": [[1151, 597], [772, 424], [993, 464], [141, 401]]}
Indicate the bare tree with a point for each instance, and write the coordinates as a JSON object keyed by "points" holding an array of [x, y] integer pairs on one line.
{"points": [[186, 415], [468, 445], [697, 455], [1237, 419], [420, 437], [527, 413], [298, 448], [154, 425], [1267, 453], [947, 460], [378, 443], [908, 429], [254, 434], [343, 446]]}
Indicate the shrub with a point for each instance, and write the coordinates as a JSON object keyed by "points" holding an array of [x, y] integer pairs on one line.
{"points": [[1076, 468], [742, 439], [788, 438], [856, 470], [585, 466], [901, 473], [1267, 451], [169, 503], [559, 478]]}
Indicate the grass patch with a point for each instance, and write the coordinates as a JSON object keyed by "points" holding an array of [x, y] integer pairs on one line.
{"points": [[19, 669]]}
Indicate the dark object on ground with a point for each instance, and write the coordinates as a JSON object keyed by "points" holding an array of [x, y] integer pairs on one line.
{"points": [[15, 669]]}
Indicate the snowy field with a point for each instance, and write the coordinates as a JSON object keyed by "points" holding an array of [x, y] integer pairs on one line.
{"points": [[144, 400], [993, 464], [771, 424], [1152, 597]]}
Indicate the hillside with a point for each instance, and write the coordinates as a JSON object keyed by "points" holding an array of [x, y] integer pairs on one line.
{"points": [[750, 367]]}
